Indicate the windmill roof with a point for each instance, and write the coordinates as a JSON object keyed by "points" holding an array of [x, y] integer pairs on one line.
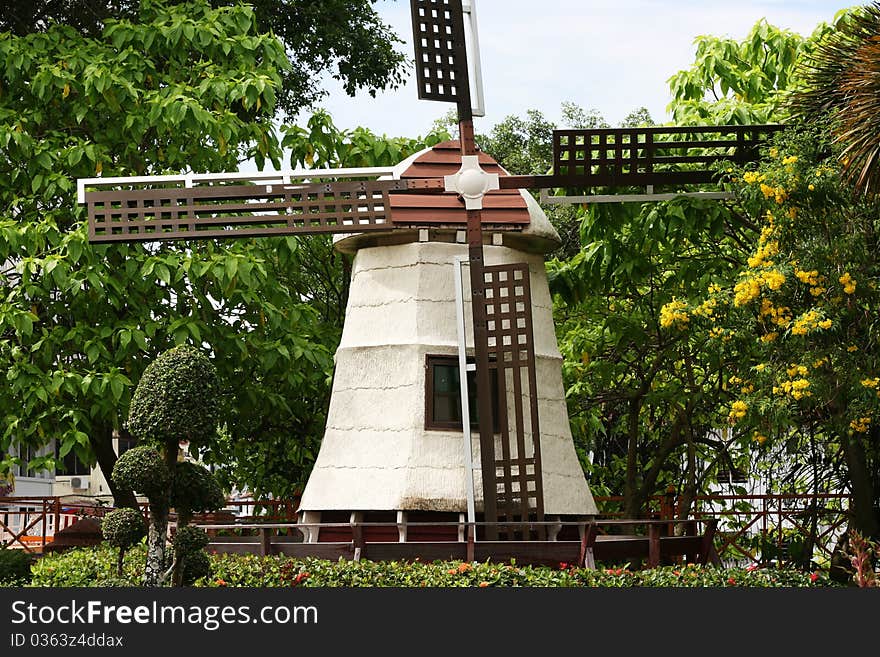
{"points": [[514, 212], [504, 207]]}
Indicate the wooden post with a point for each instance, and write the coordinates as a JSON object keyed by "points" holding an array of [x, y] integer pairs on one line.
{"points": [[265, 542], [653, 545]]}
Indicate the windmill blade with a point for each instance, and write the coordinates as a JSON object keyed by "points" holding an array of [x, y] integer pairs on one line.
{"points": [[441, 53], [163, 208], [670, 156]]}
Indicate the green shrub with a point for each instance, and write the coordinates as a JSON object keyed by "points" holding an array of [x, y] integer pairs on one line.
{"points": [[85, 566], [123, 528], [194, 489], [81, 567], [112, 582], [15, 566], [142, 470], [176, 398]]}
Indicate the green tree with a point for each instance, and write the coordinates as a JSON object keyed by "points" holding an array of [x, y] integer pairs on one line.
{"points": [[186, 87], [346, 36], [741, 82]]}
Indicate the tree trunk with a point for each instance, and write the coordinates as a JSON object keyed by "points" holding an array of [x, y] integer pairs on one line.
{"points": [[864, 515], [120, 561], [631, 505], [689, 494], [635, 500], [101, 441], [154, 570]]}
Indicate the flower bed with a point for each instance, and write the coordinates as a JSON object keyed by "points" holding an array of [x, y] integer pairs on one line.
{"points": [[96, 567]]}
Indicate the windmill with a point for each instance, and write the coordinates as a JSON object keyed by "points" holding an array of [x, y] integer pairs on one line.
{"points": [[364, 207]]}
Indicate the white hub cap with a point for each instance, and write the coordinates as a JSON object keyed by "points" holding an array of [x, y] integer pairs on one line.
{"points": [[471, 182]]}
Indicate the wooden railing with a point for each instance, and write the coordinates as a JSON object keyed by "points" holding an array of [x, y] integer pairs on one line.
{"points": [[748, 528]]}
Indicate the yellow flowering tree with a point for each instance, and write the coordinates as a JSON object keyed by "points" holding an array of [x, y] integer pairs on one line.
{"points": [[807, 300]]}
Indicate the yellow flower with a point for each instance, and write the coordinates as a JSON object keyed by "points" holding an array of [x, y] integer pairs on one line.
{"points": [[738, 410], [760, 367], [811, 187], [852, 348], [774, 152], [871, 383], [816, 291], [674, 313], [861, 425], [750, 177], [759, 438], [791, 159], [769, 337], [849, 285], [825, 324]]}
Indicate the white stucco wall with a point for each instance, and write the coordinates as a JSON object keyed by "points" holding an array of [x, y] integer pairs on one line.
{"points": [[376, 453]]}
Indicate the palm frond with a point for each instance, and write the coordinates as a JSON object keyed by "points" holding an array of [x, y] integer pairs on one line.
{"points": [[842, 84]]}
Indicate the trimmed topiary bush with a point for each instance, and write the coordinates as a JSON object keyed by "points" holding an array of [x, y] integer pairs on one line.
{"points": [[192, 562], [142, 470], [196, 566], [122, 529], [190, 539], [194, 490], [176, 398], [15, 566]]}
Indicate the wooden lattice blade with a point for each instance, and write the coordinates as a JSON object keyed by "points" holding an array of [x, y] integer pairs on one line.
{"points": [[441, 53], [158, 213], [656, 156]]}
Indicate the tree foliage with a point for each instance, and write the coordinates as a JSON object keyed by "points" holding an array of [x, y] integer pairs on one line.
{"points": [[346, 36], [740, 82], [184, 88]]}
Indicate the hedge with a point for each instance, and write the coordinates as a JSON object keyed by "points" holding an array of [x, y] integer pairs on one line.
{"points": [[86, 566]]}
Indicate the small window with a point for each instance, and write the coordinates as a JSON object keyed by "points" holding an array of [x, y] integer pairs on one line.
{"points": [[443, 392], [71, 465]]}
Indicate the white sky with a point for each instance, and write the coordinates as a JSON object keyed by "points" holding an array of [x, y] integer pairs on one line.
{"points": [[608, 55]]}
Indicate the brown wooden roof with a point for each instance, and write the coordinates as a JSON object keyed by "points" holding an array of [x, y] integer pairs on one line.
{"points": [[500, 207]]}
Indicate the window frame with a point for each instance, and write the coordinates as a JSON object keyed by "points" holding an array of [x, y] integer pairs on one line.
{"points": [[432, 360]]}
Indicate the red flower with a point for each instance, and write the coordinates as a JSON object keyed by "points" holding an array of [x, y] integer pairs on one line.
{"points": [[562, 565], [220, 582], [814, 577], [731, 581], [484, 584]]}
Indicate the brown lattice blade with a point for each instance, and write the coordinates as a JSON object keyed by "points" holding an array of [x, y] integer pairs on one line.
{"points": [[227, 211], [518, 477], [661, 156], [441, 52]]}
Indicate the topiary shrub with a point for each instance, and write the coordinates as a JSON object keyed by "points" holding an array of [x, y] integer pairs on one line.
{"points": [[192, 562], [194, 490], [142, 470], [196, 566], [15, 566], [189, 539], [176, 398], [123, 528]]}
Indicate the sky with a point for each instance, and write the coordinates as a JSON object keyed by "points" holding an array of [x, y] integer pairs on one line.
{"points": [[609, 55]]}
